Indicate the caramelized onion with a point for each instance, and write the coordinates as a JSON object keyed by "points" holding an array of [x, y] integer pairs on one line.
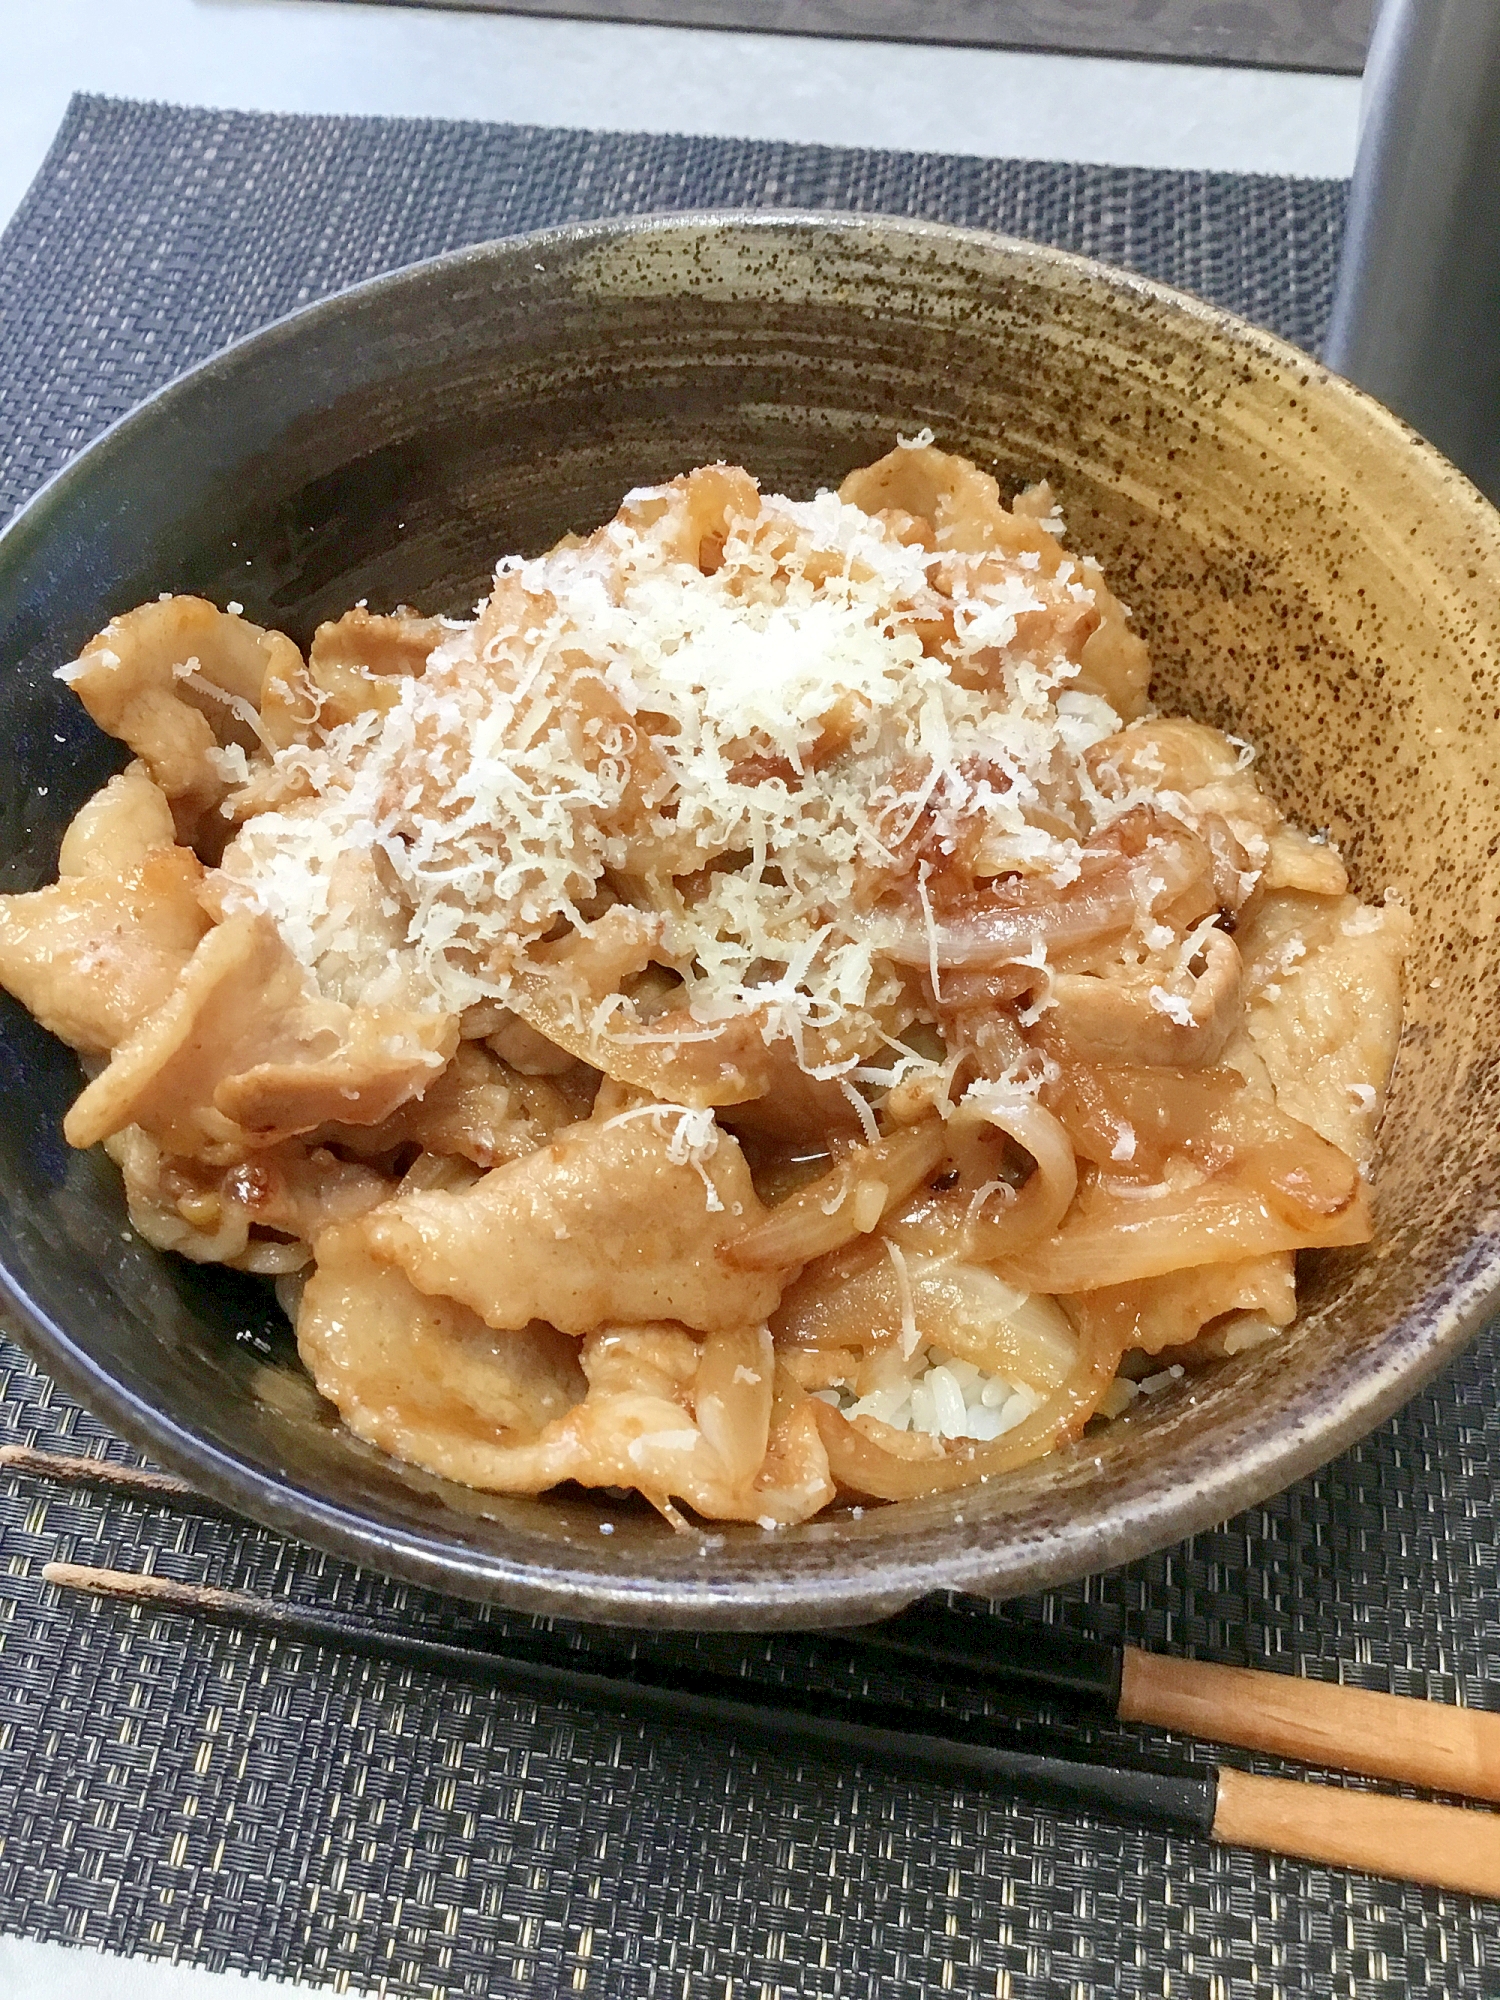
{"points": [[1117, 1234], [1150, 863], [984, 1218], [997, 932], [839, 1206]]}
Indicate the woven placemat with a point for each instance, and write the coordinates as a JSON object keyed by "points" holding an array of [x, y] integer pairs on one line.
{"points": [[176, 1790]]}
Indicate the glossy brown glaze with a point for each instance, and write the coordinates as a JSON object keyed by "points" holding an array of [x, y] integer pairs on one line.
{"points": [[1309, 575]]}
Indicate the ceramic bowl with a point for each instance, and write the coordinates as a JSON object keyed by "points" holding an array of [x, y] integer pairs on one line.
{"points": [[1309, 574]]}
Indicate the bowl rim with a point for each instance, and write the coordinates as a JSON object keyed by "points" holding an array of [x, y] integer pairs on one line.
{"points": [[1122, 1530]]}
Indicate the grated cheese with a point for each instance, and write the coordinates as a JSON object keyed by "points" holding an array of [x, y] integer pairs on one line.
{"points": [[693, 1141], [910, 1335], [190, 674], [1124, 1147], [1172, 1005], [751, 748]]}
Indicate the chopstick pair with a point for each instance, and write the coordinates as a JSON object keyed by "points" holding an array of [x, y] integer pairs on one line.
{"points": [[1423, 1743], [1445, 1846], [1390, 1736]]}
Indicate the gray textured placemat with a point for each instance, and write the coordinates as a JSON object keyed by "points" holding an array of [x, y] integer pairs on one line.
{"points": [[182, 1791], [1279, 34]]}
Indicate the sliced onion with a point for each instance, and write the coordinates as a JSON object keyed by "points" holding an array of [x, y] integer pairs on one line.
{"points": [[1101, 904], [732, 1398], [1117, 1234], [839, 1206], [984, 1219], [1001, 933], [1044, 1198]]}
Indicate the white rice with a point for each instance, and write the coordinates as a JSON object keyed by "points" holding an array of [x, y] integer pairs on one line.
{"points": [[946, 1398]]}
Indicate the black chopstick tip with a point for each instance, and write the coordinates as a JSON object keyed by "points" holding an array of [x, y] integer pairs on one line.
{"points": [[990, 1651]]}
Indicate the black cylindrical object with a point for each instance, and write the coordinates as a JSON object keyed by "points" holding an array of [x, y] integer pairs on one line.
{"points": [[1416, 319], [1176, 1798], [985, 1651]]}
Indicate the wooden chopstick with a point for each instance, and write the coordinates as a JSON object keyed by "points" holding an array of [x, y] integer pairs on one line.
{"points": [[104, 1475], [1449, 1847], [1425, 1743], [1428, 1744]]}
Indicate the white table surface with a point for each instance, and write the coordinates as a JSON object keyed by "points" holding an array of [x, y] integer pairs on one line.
{"points": [[308, 55], [57, 1972]]}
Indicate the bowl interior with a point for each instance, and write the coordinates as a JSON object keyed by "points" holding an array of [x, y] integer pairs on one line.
{"points": [[1309, 576]]}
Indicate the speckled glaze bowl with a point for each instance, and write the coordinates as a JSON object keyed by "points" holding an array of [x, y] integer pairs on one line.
{"points": [[1309, 574]]}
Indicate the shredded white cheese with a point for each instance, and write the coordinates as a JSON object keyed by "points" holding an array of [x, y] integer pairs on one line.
{"points": [[1124, 1147], [1172, 1005], [909, 1334], [753, 749]]}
